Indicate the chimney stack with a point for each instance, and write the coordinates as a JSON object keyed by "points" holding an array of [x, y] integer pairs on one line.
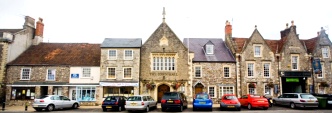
{"points": [[228, 28], [29, 22], [39, 28]]}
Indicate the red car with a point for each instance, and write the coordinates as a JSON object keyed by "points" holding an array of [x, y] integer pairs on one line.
{"points": [[229, 101], [254, 101]]}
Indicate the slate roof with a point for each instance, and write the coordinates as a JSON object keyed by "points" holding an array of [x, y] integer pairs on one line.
{"points": [[122, 42], [74, 54], [221, 52]]}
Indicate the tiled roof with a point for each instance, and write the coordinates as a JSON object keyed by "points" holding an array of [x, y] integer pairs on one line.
{"points": [[240, 42], [122, 42], [74, 54], [221, 52], [273, 44], [310, 44]]}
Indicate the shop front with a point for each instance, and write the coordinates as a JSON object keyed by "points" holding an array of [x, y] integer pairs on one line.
{"points": [[126, 88], [86, 94], [295, 81]]}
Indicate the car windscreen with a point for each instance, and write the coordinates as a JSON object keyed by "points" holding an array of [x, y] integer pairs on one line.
{"points": [[170, 96], [202, 96], [42, 97], [112, 98], [231, 97], [307, 96], [134, 98]]}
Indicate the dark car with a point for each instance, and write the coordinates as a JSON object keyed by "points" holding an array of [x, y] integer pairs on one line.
{"points": [[174, 100], [114, 103]]}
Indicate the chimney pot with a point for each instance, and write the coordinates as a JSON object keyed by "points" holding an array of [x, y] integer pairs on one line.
{"points": [[228, 28], [292, 22], [317, 33], [286, 25], [40, 27]]}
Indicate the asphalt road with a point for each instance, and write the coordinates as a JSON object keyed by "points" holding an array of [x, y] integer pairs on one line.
{"points": [[274, 109]]}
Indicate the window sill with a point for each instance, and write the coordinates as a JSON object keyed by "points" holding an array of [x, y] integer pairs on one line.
{"points": [[111, 78], [24, 79], [50, 80], [127, 78], [198, 77], [227, 77]]}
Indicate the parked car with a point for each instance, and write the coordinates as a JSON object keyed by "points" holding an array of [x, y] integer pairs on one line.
{"points": [[114, 103], [176, 100], [294, 100], [52, 102], [254, 101], [140, 102], [230, 101], [269, 99], [202, 101]]}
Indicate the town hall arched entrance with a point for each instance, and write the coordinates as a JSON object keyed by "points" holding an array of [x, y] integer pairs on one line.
{"points": [[161, 90]]}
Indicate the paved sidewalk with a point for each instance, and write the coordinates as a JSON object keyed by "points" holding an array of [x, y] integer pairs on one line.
{"points": [[30, 109]]}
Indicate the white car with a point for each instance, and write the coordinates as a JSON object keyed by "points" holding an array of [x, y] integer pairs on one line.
{"points": [[140, 102], [52, 102]]}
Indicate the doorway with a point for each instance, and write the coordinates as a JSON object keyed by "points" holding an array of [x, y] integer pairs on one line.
{"points": [[161, 90], [198, 88], [293, 84], [43, 90]]}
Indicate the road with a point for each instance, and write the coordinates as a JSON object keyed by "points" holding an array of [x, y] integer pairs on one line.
{"points": [[274, 109]]}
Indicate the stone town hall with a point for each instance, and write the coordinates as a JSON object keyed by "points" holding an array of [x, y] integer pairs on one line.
{"points": [[90, 72]]}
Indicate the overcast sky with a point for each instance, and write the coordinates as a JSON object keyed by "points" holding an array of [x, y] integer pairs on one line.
{"points": [[91, 21]]}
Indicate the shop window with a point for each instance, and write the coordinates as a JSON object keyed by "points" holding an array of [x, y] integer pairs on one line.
{"points": [[23, 93], [85, 94], [115, 91]]}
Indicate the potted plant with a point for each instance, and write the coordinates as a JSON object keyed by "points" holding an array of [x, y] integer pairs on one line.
{"points": [[271, 85], [176, 85], [324, 84], [150, 85], [252, 85]]}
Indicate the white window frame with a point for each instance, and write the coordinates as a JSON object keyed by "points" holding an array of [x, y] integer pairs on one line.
{"points": [[214, 91], [253, 69], [107, 74], [200, 68], [112, 57], [209, 49], [260, 50], [325, 52], [269, 73], [266, 86], [255, 92], [29, 75], [128, 57], [163, 63], [297, 62], [229, 71], [131, 72], [84, 73], [323, 71], [221, 90], [47, 74]]}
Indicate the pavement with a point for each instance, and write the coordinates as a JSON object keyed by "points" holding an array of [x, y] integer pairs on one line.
{"points": [[30, 109]]}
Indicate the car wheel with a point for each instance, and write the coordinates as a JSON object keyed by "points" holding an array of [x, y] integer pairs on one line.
{"points": [[104, 109], [130, 111], [38, 109], [292, 105], [181, 108], [238, 109], [147, 109], [75, 106], [274, 102], [265, 108], [249, 106], [194, 109], [50, 108], [120, 108], [163, 109]]}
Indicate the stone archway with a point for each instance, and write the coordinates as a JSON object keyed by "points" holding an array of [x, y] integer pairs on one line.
{"points": [[161, 90], [198, 88]]}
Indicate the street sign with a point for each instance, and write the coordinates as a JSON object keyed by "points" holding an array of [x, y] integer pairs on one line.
{"points": [[316, 66]]}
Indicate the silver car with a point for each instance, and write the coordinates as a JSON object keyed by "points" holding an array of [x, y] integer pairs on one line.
{"points": [[140, 102], [52, 102], [294, 100]]}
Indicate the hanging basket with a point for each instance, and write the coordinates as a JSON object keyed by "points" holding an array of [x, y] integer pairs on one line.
{"points": [[252, 85], [324, 84], [271, 85], [150, 85], [176, 85]]}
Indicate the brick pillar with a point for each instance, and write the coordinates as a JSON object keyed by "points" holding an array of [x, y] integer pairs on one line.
{"points": [[50, 90], [65, 91], [37, 91]]}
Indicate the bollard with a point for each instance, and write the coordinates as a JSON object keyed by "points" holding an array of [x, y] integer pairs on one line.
{"points": [[26, 106], [3, 106]]}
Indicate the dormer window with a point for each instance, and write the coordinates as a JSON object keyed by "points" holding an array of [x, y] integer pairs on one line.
{"points": [[257, 50], [209, 49]]}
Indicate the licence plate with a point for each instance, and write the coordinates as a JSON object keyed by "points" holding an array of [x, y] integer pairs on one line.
{"points": [[35, 105], [310, 101], [231, 106], [133, 104], [170, 101], [201, 102], [260, 101], [271, 101], [108, 106]]}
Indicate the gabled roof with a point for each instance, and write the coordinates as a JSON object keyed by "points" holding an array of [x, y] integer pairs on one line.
{"points": [[240, 42], [310, 44], [273, 44], [122, 43], [74, 54], [221, 52]]}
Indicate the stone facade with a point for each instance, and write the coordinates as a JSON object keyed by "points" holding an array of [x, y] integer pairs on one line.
{"points": [[163, 43], [213, 76], [37, 79]]}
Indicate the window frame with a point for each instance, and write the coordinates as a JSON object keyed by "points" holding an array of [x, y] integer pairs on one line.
{"points": [[47, 74], [229, 71], [253, 69], [327, 52], [269, 72], [266, 86], [200, 68], [209, 47], [297, 61], [260, 50], [21, 74], [132, 54], [83, 74], [221, 90], [214, 91], [163, 63], [20, 89], [111, 57], [107, 76], [131, 72]]}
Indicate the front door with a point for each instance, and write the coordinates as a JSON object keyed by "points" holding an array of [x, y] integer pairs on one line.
{"points": [[198, 88], [161, 90]]}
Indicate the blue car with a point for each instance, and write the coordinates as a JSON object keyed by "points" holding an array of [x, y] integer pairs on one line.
{"points": [[202, 101]]}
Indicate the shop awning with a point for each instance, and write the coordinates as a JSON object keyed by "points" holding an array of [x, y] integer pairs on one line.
{"points": [[119, 83]]}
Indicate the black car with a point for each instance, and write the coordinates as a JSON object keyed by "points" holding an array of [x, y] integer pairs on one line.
{"points": [[174, 100], [114, 102]]}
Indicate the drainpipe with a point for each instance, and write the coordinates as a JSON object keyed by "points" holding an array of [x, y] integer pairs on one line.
{"points": [[239, 74]]}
